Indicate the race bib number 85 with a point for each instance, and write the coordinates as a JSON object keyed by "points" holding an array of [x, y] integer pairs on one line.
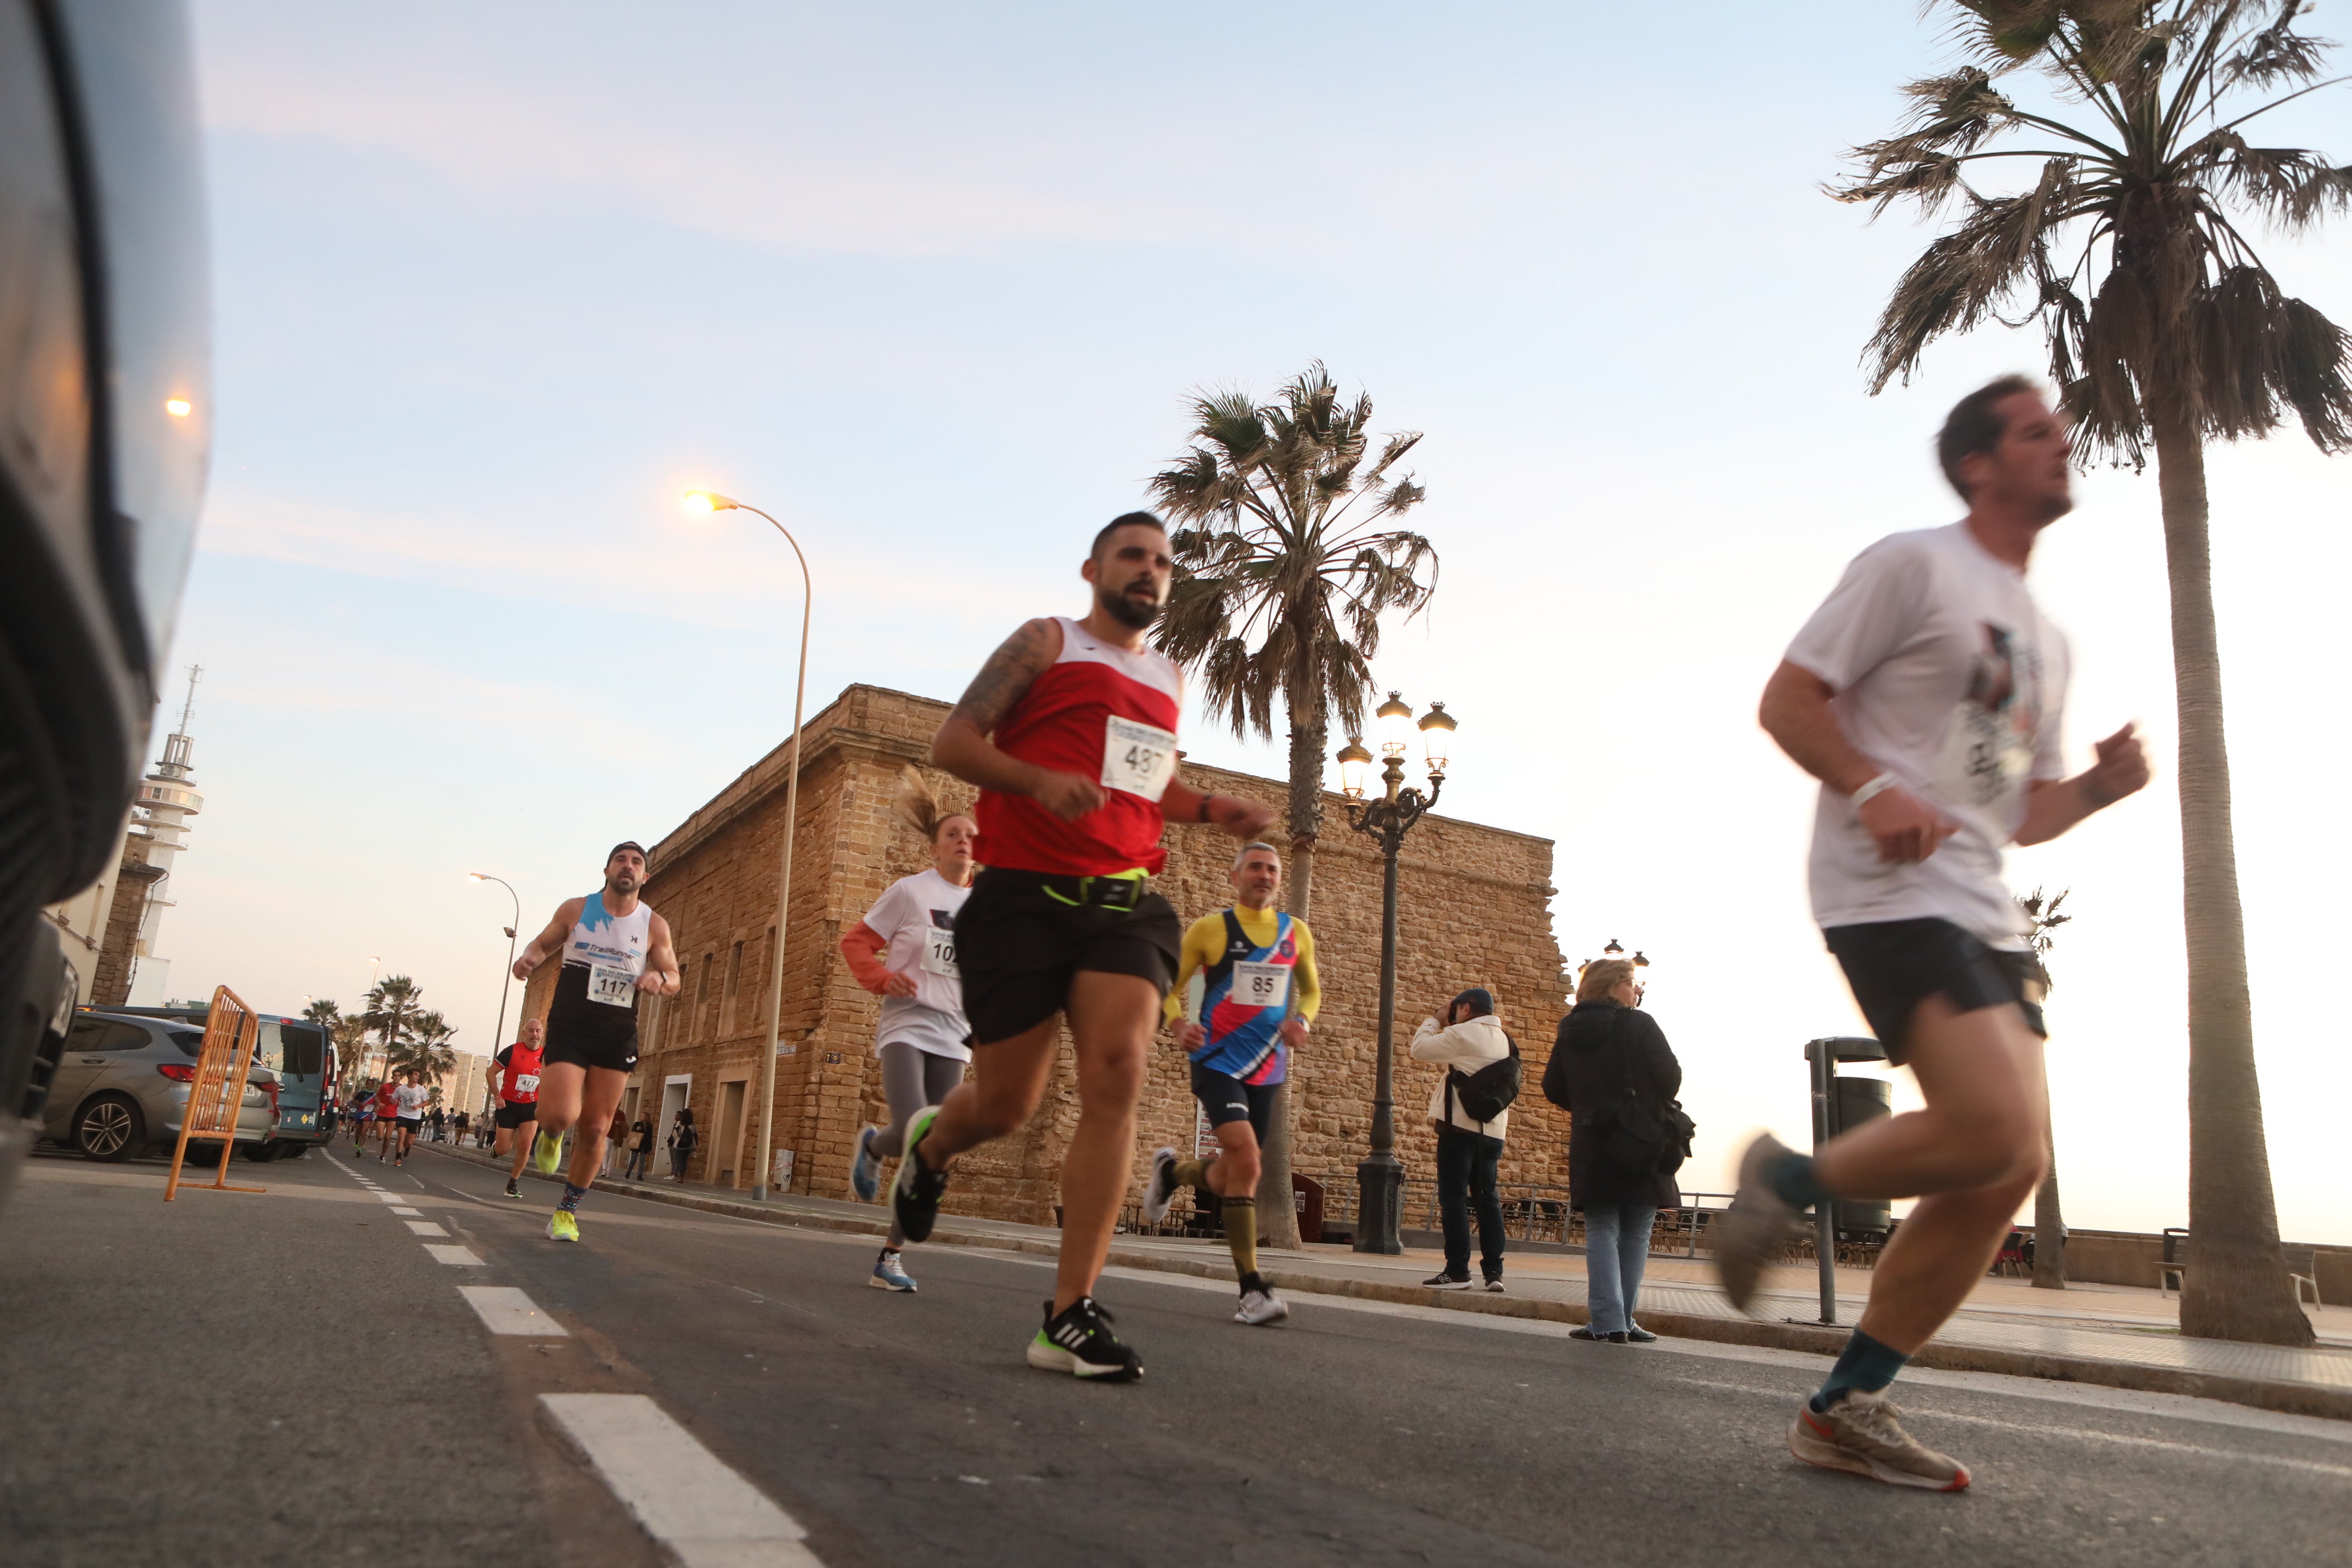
{"points": [[1137, 758], [613, 987], [1261, 985]]}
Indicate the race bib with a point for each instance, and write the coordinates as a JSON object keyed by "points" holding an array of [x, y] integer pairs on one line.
{"points": [[524, 1083], [613, 987], [1137, 758], [1261, 985], [939, 953]]}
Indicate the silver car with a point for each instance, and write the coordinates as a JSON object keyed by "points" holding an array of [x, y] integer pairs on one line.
{"points": [[122, 1089]]}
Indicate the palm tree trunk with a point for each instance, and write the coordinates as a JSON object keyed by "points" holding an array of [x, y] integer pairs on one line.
{"points": [[2049, 1224], [2236, 1287], [1277, 1214]]}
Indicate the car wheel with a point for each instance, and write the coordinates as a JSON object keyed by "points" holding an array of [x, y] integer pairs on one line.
{"points": [[109, 1128], [260, 1153]]}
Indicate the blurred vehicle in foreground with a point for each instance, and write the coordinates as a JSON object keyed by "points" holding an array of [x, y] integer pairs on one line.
{"points": [[296, 1053], [122, 1089], [105, 427]]}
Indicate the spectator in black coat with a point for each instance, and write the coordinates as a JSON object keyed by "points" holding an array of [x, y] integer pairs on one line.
{"points": [[1606, 1044]]}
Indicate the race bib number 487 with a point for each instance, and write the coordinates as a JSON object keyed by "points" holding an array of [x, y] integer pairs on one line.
{"points": [[1137, 758]]}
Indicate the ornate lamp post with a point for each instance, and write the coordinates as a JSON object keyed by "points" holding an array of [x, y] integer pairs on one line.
{"points": [[1379, 1179]]}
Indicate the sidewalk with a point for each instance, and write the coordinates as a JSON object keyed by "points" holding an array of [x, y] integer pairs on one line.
{"points": [[2112, 1335]]}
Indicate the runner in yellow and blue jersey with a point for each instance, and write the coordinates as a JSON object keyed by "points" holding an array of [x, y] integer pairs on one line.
{"points": [[1255, 994]]}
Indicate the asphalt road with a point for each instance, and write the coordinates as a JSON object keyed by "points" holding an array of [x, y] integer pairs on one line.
{"points": [[290, 1377]]}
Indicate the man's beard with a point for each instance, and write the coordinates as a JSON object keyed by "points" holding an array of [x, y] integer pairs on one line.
{"points": [[1127, 612]]}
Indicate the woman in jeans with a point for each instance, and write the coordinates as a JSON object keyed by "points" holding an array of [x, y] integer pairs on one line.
{"points": [[682, 1139], [1467, 1149], [1607, 1045]]}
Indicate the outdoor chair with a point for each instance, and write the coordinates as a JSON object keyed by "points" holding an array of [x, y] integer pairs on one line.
{"points": [[2303, 1268]]}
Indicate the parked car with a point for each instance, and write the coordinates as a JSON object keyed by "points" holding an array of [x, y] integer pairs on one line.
{"points": [[303, 1060], [105, 398], [122, 1089]]}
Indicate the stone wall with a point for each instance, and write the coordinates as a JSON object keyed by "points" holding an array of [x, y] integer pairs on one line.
{"points": [[1472, 912]]}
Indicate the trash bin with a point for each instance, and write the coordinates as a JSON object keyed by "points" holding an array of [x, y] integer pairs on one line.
{"points": [[1307, 1196], [1860, 1100]]}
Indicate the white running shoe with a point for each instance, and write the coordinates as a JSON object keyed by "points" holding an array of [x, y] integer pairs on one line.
{"points": [[890, 1274], [1859, 1434], [1759, 1222], [1161, 1190], [1261, 1307]]}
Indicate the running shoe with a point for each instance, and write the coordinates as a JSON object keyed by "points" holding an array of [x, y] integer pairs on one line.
{"points": [[866, 1171], [1079, 1342], [1260, 1306], [1758, 1223], [563, 1225], [1160, 1191], [890, 1274], [1494, 1285], [514, 1187], [915, 1195], [1442, 1281], [546, 1153], [1859, 1434]]}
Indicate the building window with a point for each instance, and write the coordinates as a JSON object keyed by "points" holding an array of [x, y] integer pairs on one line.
{"points": [[702, 990], [734, 969]]}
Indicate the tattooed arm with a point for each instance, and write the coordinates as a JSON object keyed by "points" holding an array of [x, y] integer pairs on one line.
{"points": [[962, 746]]}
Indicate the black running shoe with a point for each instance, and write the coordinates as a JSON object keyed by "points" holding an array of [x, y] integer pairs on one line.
{"points": [[915, 1195], [514, 1188], [1079, 1342]]}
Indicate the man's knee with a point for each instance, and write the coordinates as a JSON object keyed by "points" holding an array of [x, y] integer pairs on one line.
{"points": [[1110, 1081]]}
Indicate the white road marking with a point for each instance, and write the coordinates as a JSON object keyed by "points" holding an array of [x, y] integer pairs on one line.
{"points": [[390, 1197], [506, 1310], [425, 1227], [412, 1213], [682, 1494], [462, 1257]]}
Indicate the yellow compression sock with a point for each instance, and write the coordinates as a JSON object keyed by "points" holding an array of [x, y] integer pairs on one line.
{"points": [[1194, 1174], [1241, 1234]]}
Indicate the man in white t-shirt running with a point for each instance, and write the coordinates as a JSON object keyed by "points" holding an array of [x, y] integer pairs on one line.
{"points": [[410, 1097], [1926, 695]]}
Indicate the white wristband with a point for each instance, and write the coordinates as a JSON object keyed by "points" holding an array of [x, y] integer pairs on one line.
{"points": [[1874, 789]]}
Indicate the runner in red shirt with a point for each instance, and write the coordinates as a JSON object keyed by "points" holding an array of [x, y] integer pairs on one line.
{"points": [[518, 1115], [387, 1115], [1076, 785]]}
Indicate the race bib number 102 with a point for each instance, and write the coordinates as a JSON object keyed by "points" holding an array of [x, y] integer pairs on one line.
{"points": [[1137, 758], [939, 953]]}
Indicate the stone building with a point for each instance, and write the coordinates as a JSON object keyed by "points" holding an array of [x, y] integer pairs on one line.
{"points": [[1473, 911]]}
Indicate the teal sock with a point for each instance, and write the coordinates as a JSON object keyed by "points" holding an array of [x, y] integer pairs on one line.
{"points": [[572, 1197], [1865, 1364], [1792, 1182]]}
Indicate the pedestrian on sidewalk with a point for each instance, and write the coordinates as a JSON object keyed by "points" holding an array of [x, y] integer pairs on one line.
{"points": [[682, 1139], [641, 1150], [1614, 1073], [1468, 1148], [616, 1134]]}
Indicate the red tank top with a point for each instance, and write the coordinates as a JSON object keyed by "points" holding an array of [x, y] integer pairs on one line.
{"points": [[519, 1078], [1104, 714]]}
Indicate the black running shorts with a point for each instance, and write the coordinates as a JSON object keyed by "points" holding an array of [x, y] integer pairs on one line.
{"points": [[1226, 1098], [1895, 965], [513, 1113], [613, 1050], [409, 1123], [1018, 944]]}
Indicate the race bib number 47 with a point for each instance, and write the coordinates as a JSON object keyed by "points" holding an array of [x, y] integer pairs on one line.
{"points": [[613, 987], [1137, 758]]}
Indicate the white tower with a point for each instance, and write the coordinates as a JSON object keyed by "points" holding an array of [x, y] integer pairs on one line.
{"points": [[168, 797]]}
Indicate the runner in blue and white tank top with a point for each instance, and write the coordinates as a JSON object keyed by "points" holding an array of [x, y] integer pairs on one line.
{"points": [[614, 947]]}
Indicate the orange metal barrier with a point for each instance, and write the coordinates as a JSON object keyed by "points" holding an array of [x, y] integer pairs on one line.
{"points": [[218, 1091]]}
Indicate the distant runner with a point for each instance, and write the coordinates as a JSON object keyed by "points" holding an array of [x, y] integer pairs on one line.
{"points": [[387, 1116], [409, 1101], [1075, 785], [904, 951], [1259, 992], [614, 948], [1926, 695], [518, 1067]]}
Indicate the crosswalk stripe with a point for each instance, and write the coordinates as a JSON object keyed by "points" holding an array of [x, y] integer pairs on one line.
{"points": [[506, 1310], [683, 1494], [462, 1256]]}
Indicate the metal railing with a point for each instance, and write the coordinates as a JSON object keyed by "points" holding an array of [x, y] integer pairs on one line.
{"points": [[1532, 1211]]}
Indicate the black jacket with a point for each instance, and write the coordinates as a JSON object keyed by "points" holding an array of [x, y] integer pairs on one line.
{"points": [[1599, 1045]]}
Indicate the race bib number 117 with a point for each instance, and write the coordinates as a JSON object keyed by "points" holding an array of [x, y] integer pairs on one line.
{"points": [[613, 987]]}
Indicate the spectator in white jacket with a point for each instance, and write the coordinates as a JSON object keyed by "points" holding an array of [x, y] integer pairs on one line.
{"points": [[1467, 1150]]}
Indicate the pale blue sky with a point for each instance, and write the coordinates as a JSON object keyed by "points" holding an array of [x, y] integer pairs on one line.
{"points": [[495, 281]]}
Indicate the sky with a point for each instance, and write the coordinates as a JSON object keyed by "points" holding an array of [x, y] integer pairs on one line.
{"points": [[495, 282]]}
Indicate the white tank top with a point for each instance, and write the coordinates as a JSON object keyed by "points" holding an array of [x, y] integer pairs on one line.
{"points": [[611, 947]]}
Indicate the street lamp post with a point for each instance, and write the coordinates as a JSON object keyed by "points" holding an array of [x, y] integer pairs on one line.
{"points": [[1379, 1179], [506, 985], [710, 501]]}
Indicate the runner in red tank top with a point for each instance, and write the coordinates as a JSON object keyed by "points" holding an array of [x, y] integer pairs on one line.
{"points": [[518, 1067], [1075, 787]]}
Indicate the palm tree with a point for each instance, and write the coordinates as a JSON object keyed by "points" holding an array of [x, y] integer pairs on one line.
{"points": [[426, 1048], [394, 1004], [2164, 329], [1283, 572], [2049, 1222]]}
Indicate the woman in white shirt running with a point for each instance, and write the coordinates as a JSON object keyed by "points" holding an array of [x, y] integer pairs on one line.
{"points": [[904, 951]]}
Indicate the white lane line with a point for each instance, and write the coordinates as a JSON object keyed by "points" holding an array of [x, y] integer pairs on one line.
{"points": [[506, 1310], [409, 1212], [391, 1197], [462, 1257], [683, 1495], [425, 1227]]}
